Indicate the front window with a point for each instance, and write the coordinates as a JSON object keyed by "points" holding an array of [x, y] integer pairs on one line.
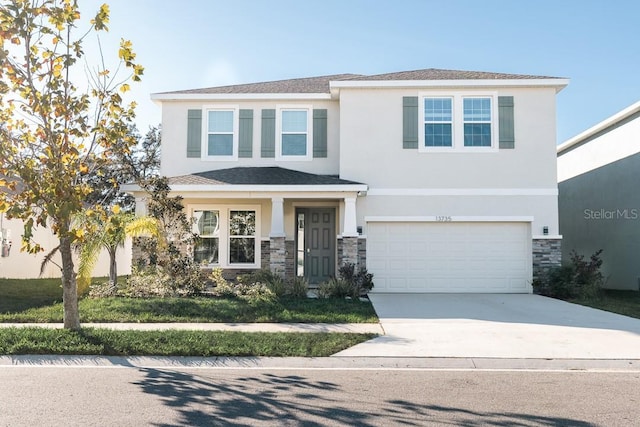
{"points": [[208, 241], [477, 122], [438, 122], [242, 237], [220, 133], [294, 132], [226, 235]]}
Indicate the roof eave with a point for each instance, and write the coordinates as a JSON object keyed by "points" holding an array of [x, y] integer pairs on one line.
{"points": [[558, 83], [233, 188], [160, 97], [569, 143]]}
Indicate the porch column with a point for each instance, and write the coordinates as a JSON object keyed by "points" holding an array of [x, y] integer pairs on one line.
{"points": [[277, 217], [350, 227], [277, 250], [141, 206], [138, 256], [349, 234]]}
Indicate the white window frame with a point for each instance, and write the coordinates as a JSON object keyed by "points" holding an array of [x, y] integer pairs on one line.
{"points": [[224, 234], [205, 131], [294, 107], [457, 117]]}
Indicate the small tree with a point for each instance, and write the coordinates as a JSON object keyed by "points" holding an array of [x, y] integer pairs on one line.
{"points": [[52, 133], [174, 256], [139, 164], [109, 232]]}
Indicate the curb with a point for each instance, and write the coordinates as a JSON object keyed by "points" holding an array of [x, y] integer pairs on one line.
{"points": [[323, 363]]}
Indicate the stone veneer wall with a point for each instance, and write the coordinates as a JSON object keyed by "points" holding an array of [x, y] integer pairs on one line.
{"points": [[348, 250], [362, 252], [547, 253], [277, 256], [290, 259], [265, 254]]}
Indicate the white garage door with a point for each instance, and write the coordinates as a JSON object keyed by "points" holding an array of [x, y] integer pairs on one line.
{"points": [[449, 257]]}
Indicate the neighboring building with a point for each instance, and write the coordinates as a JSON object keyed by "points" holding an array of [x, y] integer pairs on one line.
{"points": [[15, 264], [435, 180], [599, 202]]}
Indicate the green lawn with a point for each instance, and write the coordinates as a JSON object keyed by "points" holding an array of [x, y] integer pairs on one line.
{"points": [[621, 302], [40, 301], [18, 294], [106, 342]]}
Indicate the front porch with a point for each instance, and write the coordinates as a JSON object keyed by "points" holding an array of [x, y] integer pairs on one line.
{"points": [[290, 222]]}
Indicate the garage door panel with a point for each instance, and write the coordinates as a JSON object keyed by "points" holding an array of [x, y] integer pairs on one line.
{"points": [[450, 257]]}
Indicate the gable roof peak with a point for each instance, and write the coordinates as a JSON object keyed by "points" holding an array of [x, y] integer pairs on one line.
{"points": [[446, 74]]}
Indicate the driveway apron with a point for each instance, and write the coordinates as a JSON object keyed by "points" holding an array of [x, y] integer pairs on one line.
{"points": [[497, 326]]}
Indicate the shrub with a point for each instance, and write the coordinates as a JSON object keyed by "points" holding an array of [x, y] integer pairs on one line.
{"points": [[246, 287], [298, 288], [274, 282], [335, 288], [579, 279], [102, 290], [362, 281], [146, 282], [348, 284], [223, 288], [149, 282]]}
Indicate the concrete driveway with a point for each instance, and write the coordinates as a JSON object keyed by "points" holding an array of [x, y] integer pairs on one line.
{"points": [[497, 326]]}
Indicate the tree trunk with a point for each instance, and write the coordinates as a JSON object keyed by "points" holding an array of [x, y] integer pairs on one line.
{"points": [[69, 286], [113, 268]]}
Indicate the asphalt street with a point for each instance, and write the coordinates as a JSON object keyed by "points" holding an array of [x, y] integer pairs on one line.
{"points": [[139, 396]]}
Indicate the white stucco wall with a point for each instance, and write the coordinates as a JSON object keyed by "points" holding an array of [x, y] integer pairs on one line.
{"points": [[21, 265], [602, 149], [543, 209], [371, 144], [407, 182], [174, 138]]}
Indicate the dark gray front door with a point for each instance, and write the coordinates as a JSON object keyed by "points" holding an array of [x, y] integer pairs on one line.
{"points": [[316, 244]]}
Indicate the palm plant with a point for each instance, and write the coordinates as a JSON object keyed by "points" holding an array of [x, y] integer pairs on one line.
{"points": [[109, 232]]}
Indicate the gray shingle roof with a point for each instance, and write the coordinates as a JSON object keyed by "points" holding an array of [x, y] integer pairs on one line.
{"points": [[257, 176], [439, 74], [304, 85], [321, 84]]}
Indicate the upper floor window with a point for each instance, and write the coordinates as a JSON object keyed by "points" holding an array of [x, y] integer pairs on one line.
{"points": [[438, 122], [477, 122], [458, 122], [294, 137], [221, 134]]}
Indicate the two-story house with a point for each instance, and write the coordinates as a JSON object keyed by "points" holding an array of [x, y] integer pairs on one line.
{"points": [[435, 180]]}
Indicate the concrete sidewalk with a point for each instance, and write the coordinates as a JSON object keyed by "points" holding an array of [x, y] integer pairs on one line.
{"points": [[360, 328]]}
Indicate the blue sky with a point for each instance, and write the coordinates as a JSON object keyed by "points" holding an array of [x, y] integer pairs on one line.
{"points": [[200, 43]]}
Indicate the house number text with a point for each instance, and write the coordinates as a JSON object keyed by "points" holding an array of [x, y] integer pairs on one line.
{"points": [[443, 219]]}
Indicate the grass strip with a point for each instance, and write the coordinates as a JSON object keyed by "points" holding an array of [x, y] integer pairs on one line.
{"points": [[621, 302], [105, 342], [22, 294], [203, 309]]}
